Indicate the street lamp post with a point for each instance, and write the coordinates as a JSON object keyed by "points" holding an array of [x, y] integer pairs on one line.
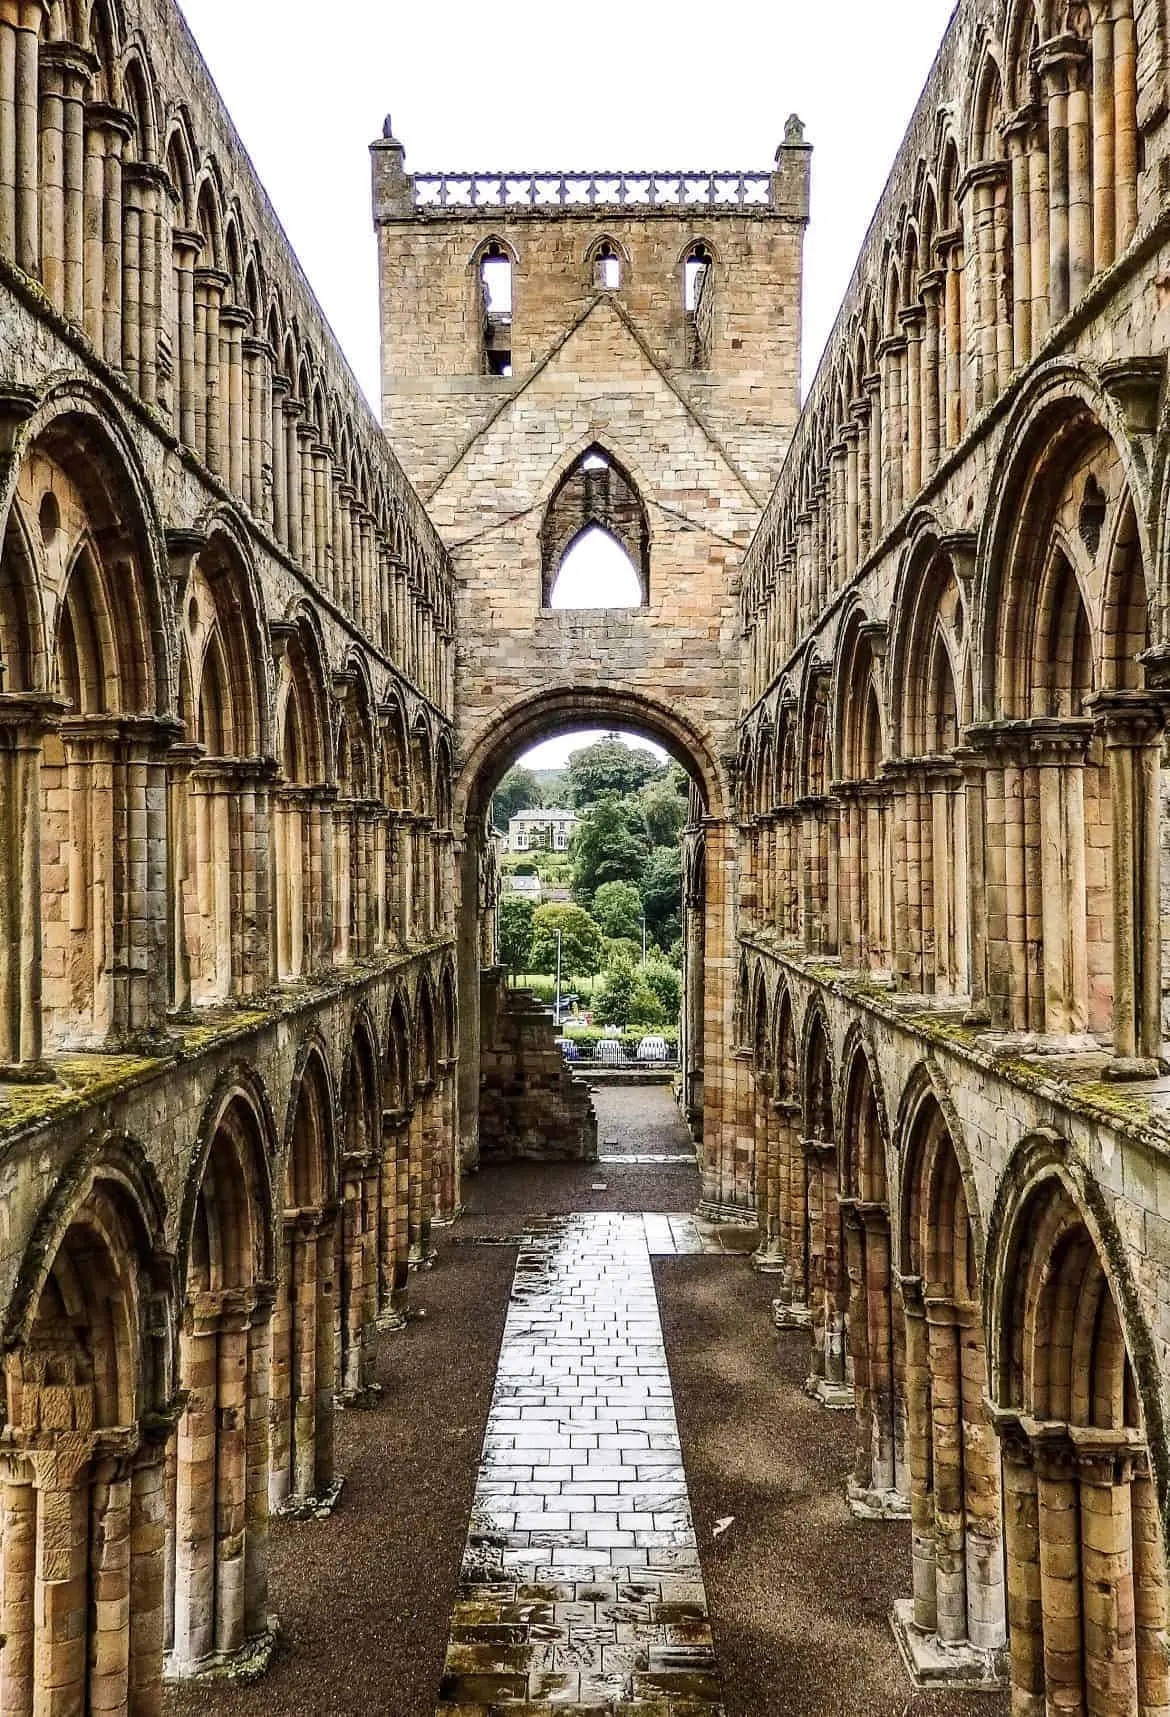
{"points": [[557, 1003]]}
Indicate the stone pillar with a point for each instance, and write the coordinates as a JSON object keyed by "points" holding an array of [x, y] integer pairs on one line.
{"points": [[18, 1597], [1133, 725], [65, 70], [233, 322], [187, 246], [20, 172]]}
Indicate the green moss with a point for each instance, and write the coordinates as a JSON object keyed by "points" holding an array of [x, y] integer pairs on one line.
{"points": [[1113, 1100]]}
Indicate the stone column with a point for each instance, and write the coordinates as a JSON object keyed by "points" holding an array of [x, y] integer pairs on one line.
{"points": [[1133, 726], [182, 883], [20, 26], [65, 70], [913, 321], [280, 478], [292, 410], [393, 1220], [1018, 134], [18, 1594], [187, 246], [1126, 146], [233, 322]]}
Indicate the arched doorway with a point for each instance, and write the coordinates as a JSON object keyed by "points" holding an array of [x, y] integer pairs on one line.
{"points": [[708, 1003]]}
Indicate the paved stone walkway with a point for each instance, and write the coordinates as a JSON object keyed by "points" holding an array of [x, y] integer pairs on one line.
{"points": [[580, 1592]]}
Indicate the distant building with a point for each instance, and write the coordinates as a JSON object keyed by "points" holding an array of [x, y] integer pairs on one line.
{"points": [[541, 831]]}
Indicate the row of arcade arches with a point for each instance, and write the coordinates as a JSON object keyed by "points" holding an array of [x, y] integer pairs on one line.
{"points": [[989, 1350]]}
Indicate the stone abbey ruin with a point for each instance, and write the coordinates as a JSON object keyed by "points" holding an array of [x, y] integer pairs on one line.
{"points": [[264, 660]]}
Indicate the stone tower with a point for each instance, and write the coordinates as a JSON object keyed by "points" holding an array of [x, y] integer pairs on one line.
{"points": [[618, 350]]}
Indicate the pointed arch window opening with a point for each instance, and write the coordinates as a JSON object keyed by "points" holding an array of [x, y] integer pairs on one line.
{"points": [[698, 299], [596, 572], [495, 287], [595, 539], [607, 267]]}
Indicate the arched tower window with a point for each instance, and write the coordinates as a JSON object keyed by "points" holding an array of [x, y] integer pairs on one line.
{"points": [[607, 266], [698, 301], [595, 540], [495, 286]]}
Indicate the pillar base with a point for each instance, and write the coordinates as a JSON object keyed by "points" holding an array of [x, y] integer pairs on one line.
{"points": [[448, 1217], [367, 1396], [390, 1321], [26, 1073], [791, 1314], [241, 1667], [1124, 1067], [421, 1259], [766, 1261], [866, 1504], [838, 1397], [741, 1214], [310, 1507], [934, 1664]]}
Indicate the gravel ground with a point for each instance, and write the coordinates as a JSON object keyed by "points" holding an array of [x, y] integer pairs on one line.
{"points": [[640, 1118], [364, 1598], [643, 1118], [799, 1592]]}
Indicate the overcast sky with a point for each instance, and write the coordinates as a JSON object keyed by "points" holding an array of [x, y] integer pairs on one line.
{"points": [[635, 84], [534, 83]]}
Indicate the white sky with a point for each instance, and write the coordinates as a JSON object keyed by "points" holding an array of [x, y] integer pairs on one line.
{"points": [[555, 753], [529, 84]]}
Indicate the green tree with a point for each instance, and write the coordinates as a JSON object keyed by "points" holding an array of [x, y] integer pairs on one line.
{"points": [[646, 1007], [664, 808], [609, 846], [614, 1001], [516, 916], [662, 894], [666, 984], [621, 951], [617, 907], [609, 767], [518, 791], [581, 940]]}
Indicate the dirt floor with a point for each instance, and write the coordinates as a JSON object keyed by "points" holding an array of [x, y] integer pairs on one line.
{"points": [[799, 1591]]}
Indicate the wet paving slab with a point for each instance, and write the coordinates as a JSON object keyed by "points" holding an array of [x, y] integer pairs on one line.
{"points": [[666, 1235], [580, 1592]]}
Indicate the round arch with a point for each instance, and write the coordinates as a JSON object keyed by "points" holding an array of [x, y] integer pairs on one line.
{"points": [[564, 709]]}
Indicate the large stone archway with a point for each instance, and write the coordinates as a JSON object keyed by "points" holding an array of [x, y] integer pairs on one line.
{"points": [[709, 964]]}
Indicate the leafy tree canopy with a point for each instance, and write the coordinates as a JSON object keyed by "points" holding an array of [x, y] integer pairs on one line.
{"points": [[518, 791], [581, 940], [609, 767], [613, 1004], [664, 807], [516, 915], [666, 984], [662, 894], [609, 846], [617, 907]]}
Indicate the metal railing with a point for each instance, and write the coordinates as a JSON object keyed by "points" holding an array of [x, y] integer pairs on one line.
{"points": [[680, 190]]}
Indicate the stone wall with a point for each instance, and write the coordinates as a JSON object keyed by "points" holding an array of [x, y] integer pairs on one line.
{"points": [[228, 1024], [950, 1026], [532, 1107]]}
